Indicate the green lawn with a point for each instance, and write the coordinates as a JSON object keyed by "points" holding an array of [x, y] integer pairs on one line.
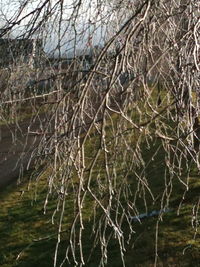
{"points": [[28, 237]]}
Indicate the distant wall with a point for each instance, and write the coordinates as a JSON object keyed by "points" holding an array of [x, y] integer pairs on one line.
{"points": [[19, 50]]}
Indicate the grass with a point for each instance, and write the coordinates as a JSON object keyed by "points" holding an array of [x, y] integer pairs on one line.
{"points": [[28, 237], [22, 222]]}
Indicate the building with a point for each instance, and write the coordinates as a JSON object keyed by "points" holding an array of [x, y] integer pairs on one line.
{"points": [[16, 51]]}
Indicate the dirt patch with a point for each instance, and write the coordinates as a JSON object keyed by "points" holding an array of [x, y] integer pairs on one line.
{"points": [[16, 147]]}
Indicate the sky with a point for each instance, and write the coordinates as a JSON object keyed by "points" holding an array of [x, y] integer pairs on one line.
{"points": [[83, 26], [85, 23]]}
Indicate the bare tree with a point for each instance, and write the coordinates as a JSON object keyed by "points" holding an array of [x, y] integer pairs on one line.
{"points": [[129, 77]]}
